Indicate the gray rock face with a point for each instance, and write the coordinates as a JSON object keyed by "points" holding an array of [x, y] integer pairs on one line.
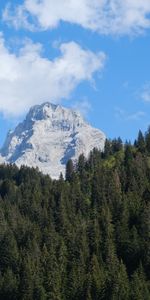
{"points": [[48, 137]]}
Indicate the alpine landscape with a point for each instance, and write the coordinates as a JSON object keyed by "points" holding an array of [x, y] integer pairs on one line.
{"points": [[74, 150]]}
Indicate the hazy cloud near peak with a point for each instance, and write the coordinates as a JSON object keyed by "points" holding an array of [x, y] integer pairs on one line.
{"points": [[145, 93], [123, 115], [116, 17], [28, 78]]}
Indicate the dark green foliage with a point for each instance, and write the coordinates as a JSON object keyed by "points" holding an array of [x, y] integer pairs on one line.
{"points": [[83, 238], [147, 139], [69, 170], [140, 143]]}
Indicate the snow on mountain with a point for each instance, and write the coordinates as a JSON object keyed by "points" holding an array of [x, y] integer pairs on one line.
{"points": [[48, 137]]}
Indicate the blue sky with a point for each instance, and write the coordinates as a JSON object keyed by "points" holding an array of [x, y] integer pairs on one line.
{"points": [[93, 57]]}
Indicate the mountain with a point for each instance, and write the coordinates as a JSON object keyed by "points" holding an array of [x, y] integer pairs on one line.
{"points": [[48, 137]]}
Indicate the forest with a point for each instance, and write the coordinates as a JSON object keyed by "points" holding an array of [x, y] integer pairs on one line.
{"points": [[82, 237]]}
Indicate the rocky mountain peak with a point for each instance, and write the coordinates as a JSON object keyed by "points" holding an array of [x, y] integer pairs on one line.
{"points": [[48, 137]]}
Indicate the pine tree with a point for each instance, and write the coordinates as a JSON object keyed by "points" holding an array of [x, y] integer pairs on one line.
{"points": [[141, 142], [107, 149], [147, 139], [97, 280], [69, 170], [121, 284], [139, 288]]}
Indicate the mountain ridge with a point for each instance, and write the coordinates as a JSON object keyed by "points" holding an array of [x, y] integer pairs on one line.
{"points": [[48, 137]]}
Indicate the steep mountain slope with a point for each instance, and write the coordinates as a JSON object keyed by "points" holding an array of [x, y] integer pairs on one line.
{"points": [[48, 137]]}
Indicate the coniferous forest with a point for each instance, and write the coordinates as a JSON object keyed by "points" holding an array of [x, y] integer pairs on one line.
{"points": [[83, 237]]}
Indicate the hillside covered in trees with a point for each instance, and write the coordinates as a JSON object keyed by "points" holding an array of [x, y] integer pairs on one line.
{"points": [[85, 237]]}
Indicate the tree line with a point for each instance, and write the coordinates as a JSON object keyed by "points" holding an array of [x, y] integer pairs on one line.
{"points": [[82, 237]]}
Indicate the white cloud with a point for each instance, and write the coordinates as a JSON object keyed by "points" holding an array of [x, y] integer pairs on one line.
{"points": [[136, 116], [83, 106], [125, 116], [18, 17], [145, 94], [28, 78], [116, 17]]}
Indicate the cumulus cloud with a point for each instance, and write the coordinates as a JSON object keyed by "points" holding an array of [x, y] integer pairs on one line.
{"points": [[116, 17], [28, 78]]}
